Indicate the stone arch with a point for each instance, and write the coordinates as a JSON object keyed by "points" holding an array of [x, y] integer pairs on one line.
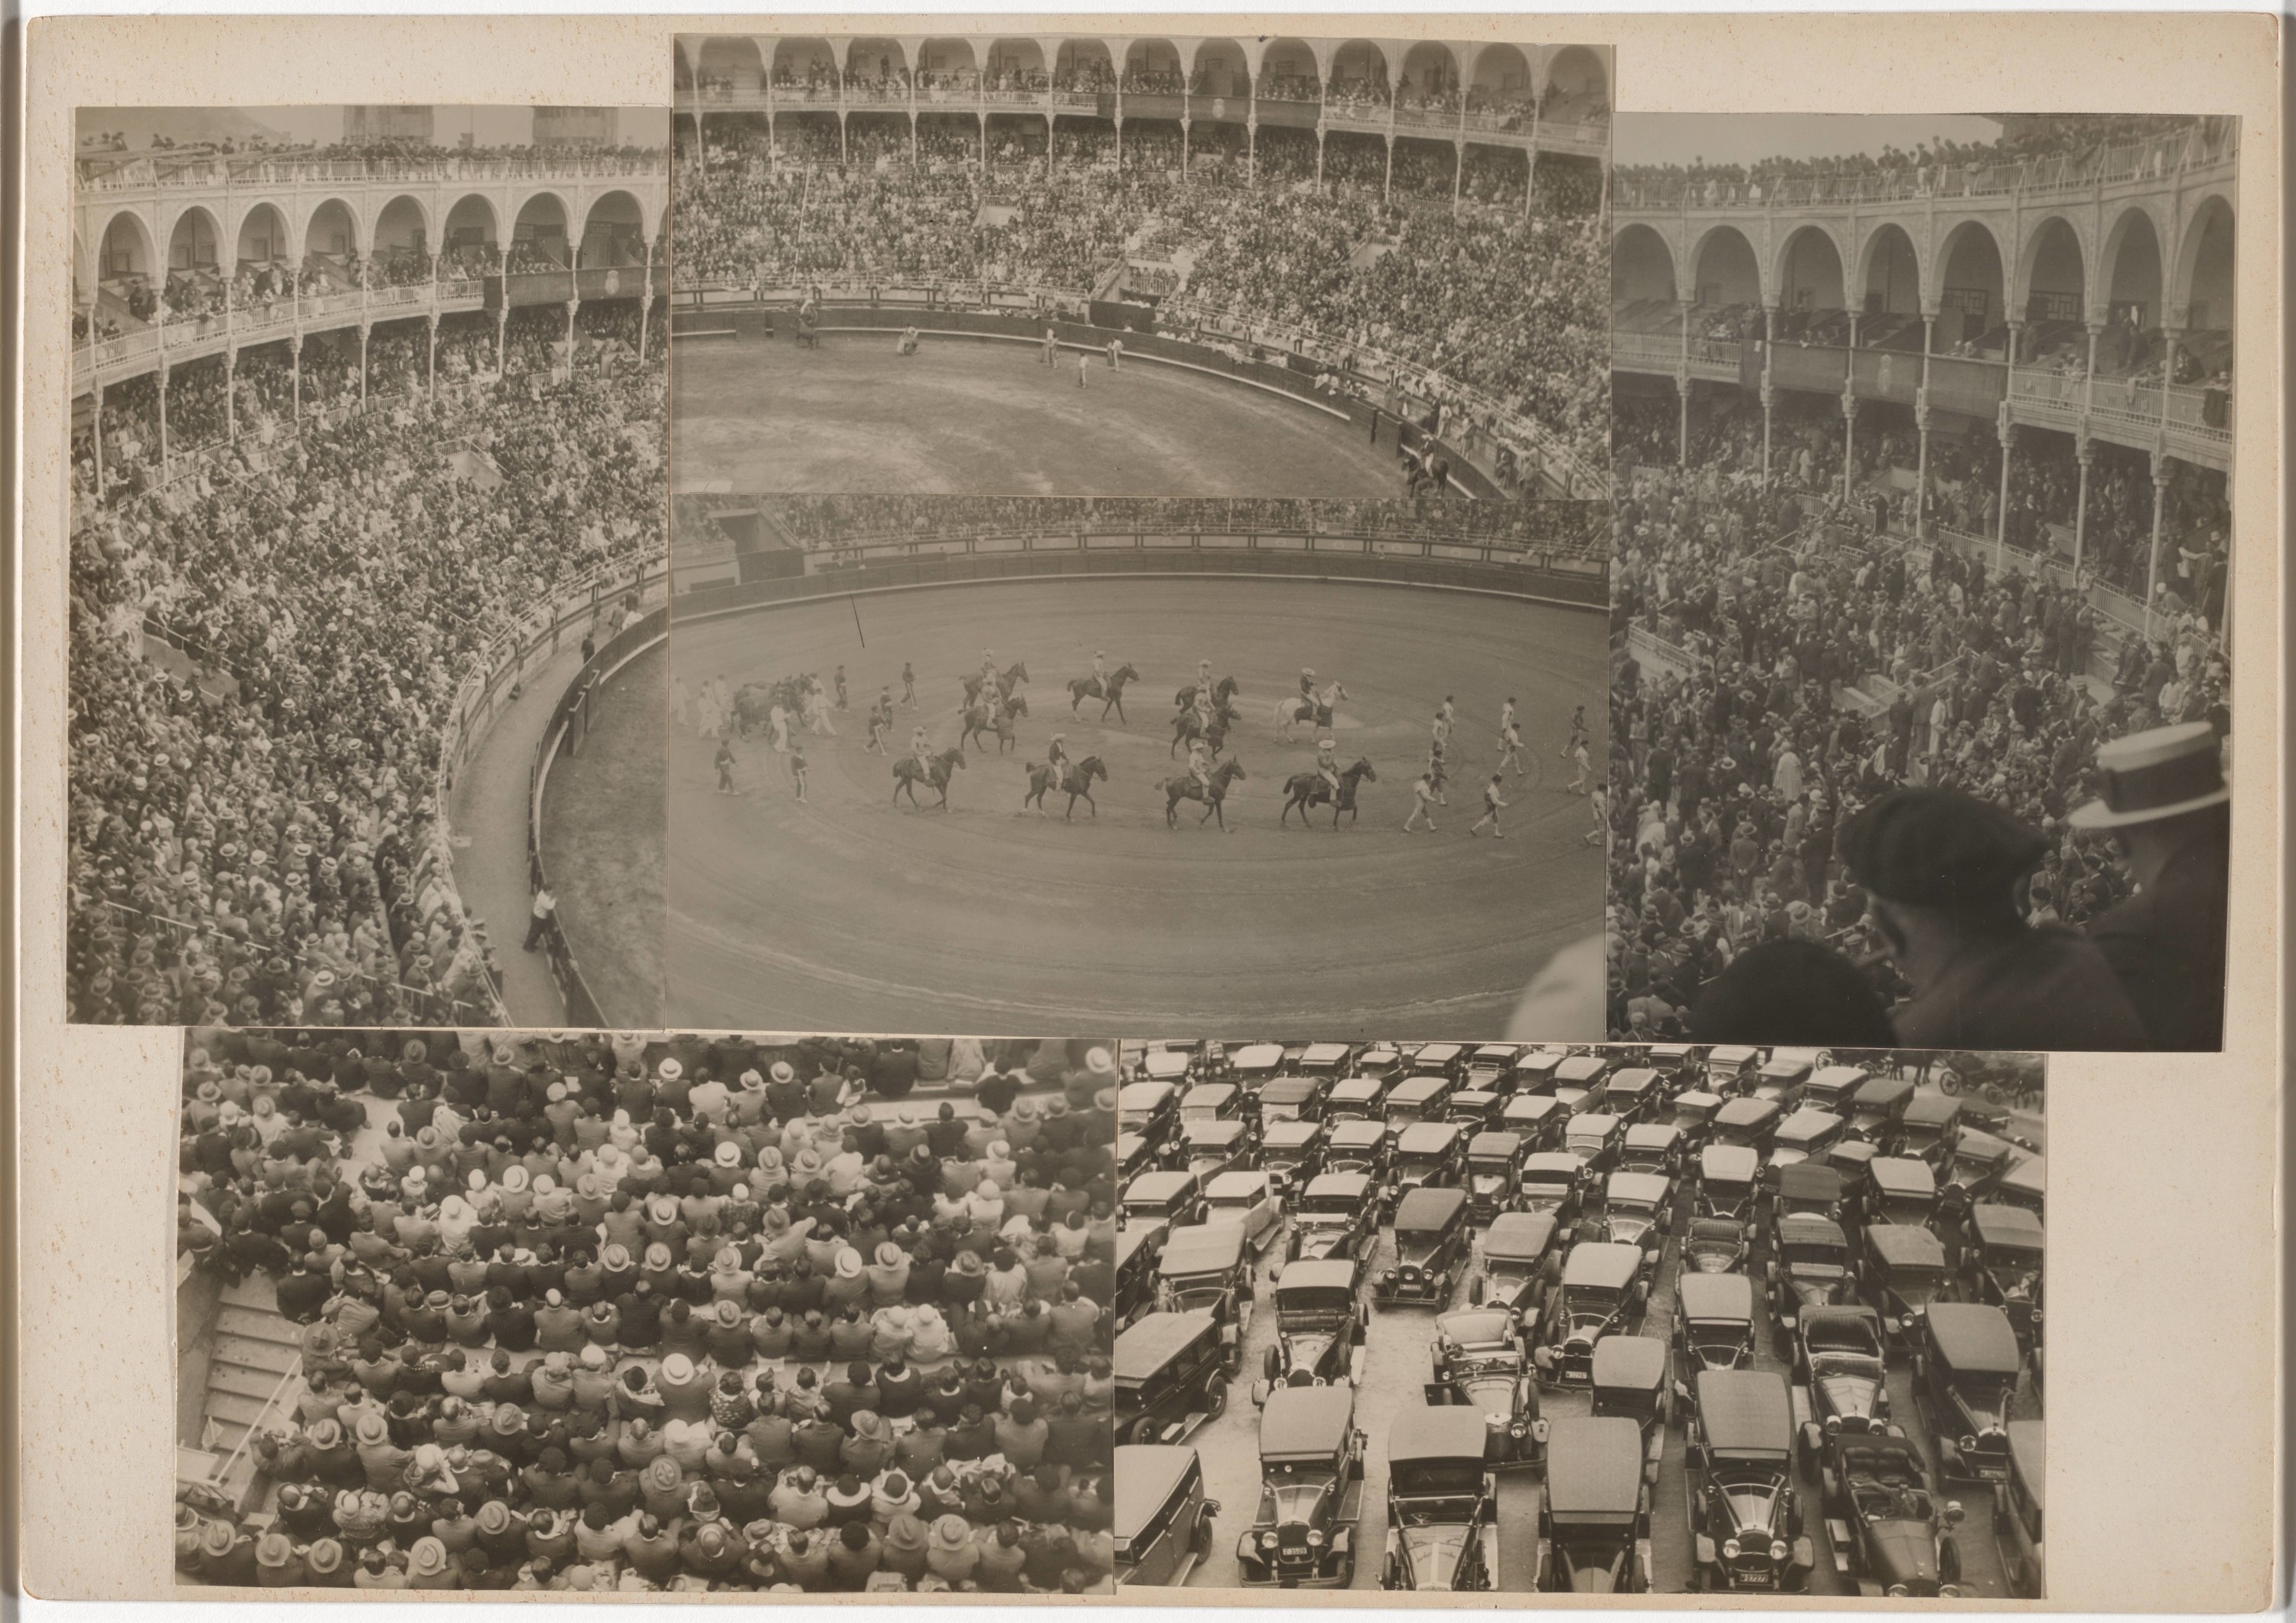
{"points": [[1889, 272], [2131, 269], [615, 231], [732, 62], [803, 61], [195, 240], [1218, 67], [2203, 279], [875, 56], [545, 222], [125, 248], [1018, 55], [1724, 268], [1968, 283], [1082, 61], [1359, 66], [1152, 56], [1433, 68], [263, 235], [403, 226], [1807, 273], [1499, 75], [472, 222], [1642, 265], [333, 229], [1578, 73], [2052, 271]]}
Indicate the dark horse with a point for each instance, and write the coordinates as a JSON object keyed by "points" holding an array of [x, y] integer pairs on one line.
{"points": [[1223, 690], [990, 716], [945, 765], [1308, 789], [1112, 692], [1012, 677], [1177, 789], [1076, 783], [1185, 727]]}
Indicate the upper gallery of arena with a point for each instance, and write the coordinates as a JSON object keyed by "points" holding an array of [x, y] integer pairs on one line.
{"points": [[1433, 202]]}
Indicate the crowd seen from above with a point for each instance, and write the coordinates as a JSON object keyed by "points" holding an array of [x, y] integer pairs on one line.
{"points": [[619, 1316]]}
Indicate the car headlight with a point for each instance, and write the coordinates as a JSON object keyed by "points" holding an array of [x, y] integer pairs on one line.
{"points": [[1267, 1541], [1516, 1432], [1388, 1277], [1778, 1550], [1730, 1548], [1316, 1536], [1951, 1592], [1897, 1591]]}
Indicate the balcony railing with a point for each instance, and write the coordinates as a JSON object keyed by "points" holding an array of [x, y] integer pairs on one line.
{"points": [[145, 174]]}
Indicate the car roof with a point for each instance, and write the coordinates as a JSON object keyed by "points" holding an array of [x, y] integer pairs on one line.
{"points": [[1497, 1050], [1153, 1341], [1837, 1077], [1730, 1053], [1223, 1130], [1477, 1326], [1324, 1053], [1463, 1094], [1671, 1051], [1146, 1474], [1879, 1092], [1743, 1111], [1734, 1163], [1518, 1234], [1594, 1465], [1632, 1080], [1902, 1174], [1840, 1313], [1598, 1262], [1714, 1296], [1165, 1063], [1808, 1228], [1427, 1138], [1306, 1420], [1581, 1067], [1294, 1133], [1636, 1186], [1210, 1093], [1553, 1160], [1807, 1123], [1652, 1135], [1429, 1208], [1251, 1056], [1129, 1241], [1307, 1276], [1228, 1185], [1285, 1088], [1905, 1244], [1541, 1059], [1974, 1338], [2031, 1172], [1746, 1412], [1930, 1107], [1703, 1098], [1530, 1108], [1438, 1053], [1367, 1087], [1412, 1088], [1143, 1095], [1435, 1431], [2028, 1449], [1201, 1247], [1338, 1184], [1999, 1222], [1980, 1145], [1356, 1128], [1628, 1361], [1593, 1121], [1161, 1184], [1807, 1180], [1494, 1143]]}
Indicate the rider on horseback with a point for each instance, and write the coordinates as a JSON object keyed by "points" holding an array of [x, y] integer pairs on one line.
{"points": [[921, 751], [987, 671], [1308, 684], [1327, 765], [1056, 756], [1200, 765], [1099, 668]]}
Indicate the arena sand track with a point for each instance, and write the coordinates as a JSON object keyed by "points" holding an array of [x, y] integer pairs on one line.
{"points": [[850, 913], [971, 417]]}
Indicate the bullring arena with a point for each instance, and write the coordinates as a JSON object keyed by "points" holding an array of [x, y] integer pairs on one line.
{"points": [[986, 917]]}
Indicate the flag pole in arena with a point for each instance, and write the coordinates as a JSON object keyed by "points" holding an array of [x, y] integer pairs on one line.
{"points": [[854, 603]]}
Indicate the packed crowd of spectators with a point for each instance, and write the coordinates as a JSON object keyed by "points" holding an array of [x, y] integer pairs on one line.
{"points": [[1737, 761], [1504, 304], [707, 1314], [253, 834]]}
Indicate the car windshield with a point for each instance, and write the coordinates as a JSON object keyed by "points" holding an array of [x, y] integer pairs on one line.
{"points": [[1590, 1301], [1420, 1165], [1834, 1365], [1692, 1115], [1403, 1115], [1192, 1292], [1328, 1206], [2013, 1256], [1417, 1245], [1436, 1490], [1888, 1500], [1318, 1303], [1547, 1186], [1585, 1143], [1912, 1276], [1910, 1210], [1627, 1205], [1282, 1157], [1635, 1403], [1813, 1257]]}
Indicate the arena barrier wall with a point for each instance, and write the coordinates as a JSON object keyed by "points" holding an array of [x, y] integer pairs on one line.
{"points": [[1473, 456], [570, 725], [1288, 556]]}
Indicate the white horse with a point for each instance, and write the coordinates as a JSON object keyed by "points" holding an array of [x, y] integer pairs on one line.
{"points": [[1291, 710]]}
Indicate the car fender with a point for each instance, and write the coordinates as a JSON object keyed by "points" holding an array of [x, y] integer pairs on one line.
{"points": [[1703, 1550], [1805, 1553]]}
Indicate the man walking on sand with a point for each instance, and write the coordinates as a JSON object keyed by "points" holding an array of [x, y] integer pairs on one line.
{"points": [[1492, 806]]}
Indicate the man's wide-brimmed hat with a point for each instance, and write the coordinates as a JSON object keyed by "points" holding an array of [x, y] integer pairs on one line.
{"points": [[2162, 772]]}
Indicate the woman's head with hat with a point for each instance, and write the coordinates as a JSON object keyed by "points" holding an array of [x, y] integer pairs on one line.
{"points": [[2152, 775]]}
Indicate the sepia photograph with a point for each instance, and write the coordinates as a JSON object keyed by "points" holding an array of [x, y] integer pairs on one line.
{"points": [[1026, 764], [369, 477], [596, 1312], [1061, 264], [1921, 691], [1633, 1320]]}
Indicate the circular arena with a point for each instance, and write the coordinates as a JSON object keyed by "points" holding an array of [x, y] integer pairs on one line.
{"points": [[849, 908]]}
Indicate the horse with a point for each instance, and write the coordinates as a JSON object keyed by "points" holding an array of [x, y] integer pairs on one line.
{"points": [[906, 776], [1012, 678], [1112, 691], [1076, 783], [988, 716], [1308, 789], [1317, 710], [1186, 727], [1177, 789], [1223, 690]]}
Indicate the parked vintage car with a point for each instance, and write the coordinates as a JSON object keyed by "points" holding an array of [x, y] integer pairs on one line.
{"points": [[1327, 1059], [1632, 1094], [1175, 1066], [2001, 1264], [1358, 1099], [1554, 1180], [1149, 1108], [1431, 1155], [1809, 1266], [1479, 1363], [1979, 1160], [1901, 1274], [1473, 1108], [1840, 1373], [1967, 1364], [1887, 1529], [1692, 1114], [1210, 1148], [1729, 1067], [1652, 1147], [1748, 1121], [1629, 1379], [1579, 1081], [1715, 1245], [1830, 1086], [1212, 1101], [1537, 1118], [1494, 1174], [1729, 1182], [1162, 1524], [1534, 1072], [1291, 1153], [1593, 1519], [1335, 1218], [1929, 1128], [1603, 1292], [1356, 1145], [2024, 1181], [1713, 1322], [1248, 1200], [1311, 1474], [1745, 1513], [1136, 1247], [1172, 1372], [1595, 1140], [1203, 1269], [1877, 1109], [1633, 1211], [1173, 1199], [1319, 1328], [1442, 1502], [1780, 1079], [1431, 1248], [1253, 1066], [1133, 1156], [1896, 1189], [2017, 1522], [1805, 1191], [1521, 1260], [1291, 1098], [1416, 1099], [1804, 1136], [1440, 1059], [1491, 1067]]}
